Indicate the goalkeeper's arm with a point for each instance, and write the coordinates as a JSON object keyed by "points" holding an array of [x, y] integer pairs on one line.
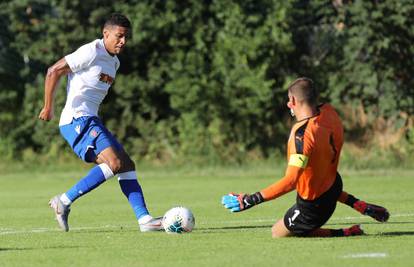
{"points": [[284, 185], [239, 202]]}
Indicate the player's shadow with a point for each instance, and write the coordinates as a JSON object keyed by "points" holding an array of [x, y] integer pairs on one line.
{"points": [[396, 233], [366, 223], [239, 227], [102, 231], [35, 248], [14, 249]]}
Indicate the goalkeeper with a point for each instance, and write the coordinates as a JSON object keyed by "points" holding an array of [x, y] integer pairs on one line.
{"points": [[313, 152]]}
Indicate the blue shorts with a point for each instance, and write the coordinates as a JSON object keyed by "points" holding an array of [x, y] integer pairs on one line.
{"points": [[87, 136]]}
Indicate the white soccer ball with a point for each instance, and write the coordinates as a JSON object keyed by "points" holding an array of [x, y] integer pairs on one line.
{"points": [[178, 220]]}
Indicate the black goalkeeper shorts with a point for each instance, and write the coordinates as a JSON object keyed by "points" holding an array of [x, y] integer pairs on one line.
{"points": [[308, 215]]}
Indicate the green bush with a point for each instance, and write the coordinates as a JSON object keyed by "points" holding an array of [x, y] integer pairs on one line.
{"points": [[205, 81]]}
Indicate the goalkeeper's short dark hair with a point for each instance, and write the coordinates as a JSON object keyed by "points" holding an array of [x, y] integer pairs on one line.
{"points": [[304, 89]]}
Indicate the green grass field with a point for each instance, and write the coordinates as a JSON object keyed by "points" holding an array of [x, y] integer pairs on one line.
{"points": [[105, 233]]}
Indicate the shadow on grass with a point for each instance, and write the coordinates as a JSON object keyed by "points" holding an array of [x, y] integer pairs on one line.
{"points": [[103, 231], [246, 227], [14, 249], [239, 227], [396, 233], [366, 223], [35, 248]]}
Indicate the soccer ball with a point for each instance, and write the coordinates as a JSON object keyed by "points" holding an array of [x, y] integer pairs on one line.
{"points": [[178, 220]]}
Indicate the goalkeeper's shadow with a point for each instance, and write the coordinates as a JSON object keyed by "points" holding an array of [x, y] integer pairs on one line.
{"points": [[396, 233], [238, 227]]}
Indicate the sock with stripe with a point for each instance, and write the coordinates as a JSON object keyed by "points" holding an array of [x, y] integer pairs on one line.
{"points": [[351, 200], [133, 192], [96, 176]]}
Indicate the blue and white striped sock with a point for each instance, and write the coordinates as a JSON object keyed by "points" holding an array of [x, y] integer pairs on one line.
{"points": [[133, 192], [96, 176]]}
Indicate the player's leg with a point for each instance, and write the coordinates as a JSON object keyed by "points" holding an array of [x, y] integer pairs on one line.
{"points": [[279, 230], [294, 223], [320, 214], [83, 135], [305, 220], [324, 232], [378, 213], [61, 203], [306, 217], [94, 142], [302, 220], [96, 176], [124, 167]]}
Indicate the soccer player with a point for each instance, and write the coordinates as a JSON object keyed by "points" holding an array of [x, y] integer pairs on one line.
{"points": [[91, 70], [313, 151]]}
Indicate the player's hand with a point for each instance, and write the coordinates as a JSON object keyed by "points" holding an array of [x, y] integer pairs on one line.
{"points": [[46, 114], [231, 202], [239, 202]]}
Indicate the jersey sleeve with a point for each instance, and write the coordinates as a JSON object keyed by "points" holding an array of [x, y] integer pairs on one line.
{"points": [[303, 145], [298, 158], [81, 58], [284, 185]]}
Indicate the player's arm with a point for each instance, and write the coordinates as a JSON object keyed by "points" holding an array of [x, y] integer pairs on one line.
{"points": [[53, 75], [239, 202], [297, 164], [298, 161]]}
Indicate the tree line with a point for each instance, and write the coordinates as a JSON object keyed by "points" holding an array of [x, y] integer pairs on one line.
{"points": [[208, 78]]}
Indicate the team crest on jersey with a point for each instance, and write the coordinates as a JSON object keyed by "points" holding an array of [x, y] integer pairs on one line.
{"points": [[93, 133], [103, 77]]}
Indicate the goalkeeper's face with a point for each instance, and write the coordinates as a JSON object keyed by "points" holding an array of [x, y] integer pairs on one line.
{"points": [[115, 38]]}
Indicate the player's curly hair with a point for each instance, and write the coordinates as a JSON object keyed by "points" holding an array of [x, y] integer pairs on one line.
{"points": [[117, 19]]}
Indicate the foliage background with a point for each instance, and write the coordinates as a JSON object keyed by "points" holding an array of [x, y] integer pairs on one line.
{"points": [[205, 81]]}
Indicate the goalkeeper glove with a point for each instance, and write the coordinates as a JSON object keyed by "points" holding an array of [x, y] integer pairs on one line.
{"points": [[240, 202]]}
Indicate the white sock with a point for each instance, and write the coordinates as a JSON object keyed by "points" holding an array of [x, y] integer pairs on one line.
{"points": [[65, 200], [144, 219], [108, 174]]}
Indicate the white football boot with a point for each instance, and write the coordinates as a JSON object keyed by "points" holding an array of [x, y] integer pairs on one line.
{"points": [[150, 224], [61, 211]]}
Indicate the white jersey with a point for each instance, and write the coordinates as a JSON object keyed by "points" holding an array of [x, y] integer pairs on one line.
{"points": [[93, 72]]}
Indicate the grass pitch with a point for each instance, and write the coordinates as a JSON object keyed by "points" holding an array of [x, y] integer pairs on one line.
{"points": [[104, 231]]}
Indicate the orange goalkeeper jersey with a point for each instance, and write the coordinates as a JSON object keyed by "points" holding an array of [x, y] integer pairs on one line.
{"points": [[313, 153]]}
